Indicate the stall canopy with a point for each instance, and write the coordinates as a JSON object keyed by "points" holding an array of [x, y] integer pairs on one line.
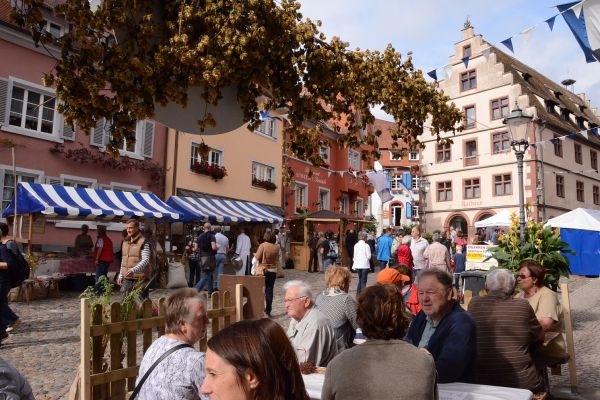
{"points": [[580, 228], [221, 210], [500, 219], [71, 202]]}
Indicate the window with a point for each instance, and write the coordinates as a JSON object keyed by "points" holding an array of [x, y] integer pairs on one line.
{"points": [[444, 191], [579, 190], [358, 207], [395, 155], [468, 80], [500, 142], [558, 147], [396, 182], [344, 204], [78, 183], [354, 160], [8, 188], [469, 117], [301, 195], [564, 115], [415, 182], [502, 185], [413, 156], [262, 172], [54, 29], [415, 211], [560, 186], [471, 152], [594, 160], [443, 152], [472, 188], [324, 152], [323, 199], [499, 108], [580, 123], [215, 157], [268, 127], [596, 195], [397, 215], [32, 110], [578, 156], [549, 107], [467, 51]]}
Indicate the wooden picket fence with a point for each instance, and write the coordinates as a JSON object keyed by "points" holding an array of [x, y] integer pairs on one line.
{"points": [[102, 342]]}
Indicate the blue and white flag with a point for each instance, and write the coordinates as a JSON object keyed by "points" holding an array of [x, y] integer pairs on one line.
{"points": [[377, 179], [583, 18]]}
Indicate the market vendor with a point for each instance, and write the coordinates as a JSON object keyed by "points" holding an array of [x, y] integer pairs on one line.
{"points": [[103, 255], [136, 269], [83, 241]]}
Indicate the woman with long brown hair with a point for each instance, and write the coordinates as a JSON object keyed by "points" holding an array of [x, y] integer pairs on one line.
{"points": [[252, 360]]}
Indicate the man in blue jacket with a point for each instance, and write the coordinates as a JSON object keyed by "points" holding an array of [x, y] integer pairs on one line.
{"points": [[384, 248], [443, 329]]}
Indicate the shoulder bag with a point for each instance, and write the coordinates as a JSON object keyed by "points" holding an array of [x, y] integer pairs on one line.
{"points": [[136, 390]]}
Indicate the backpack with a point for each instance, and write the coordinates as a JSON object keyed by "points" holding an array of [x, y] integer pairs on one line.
{"points": [[19, 271], [333, 250]]}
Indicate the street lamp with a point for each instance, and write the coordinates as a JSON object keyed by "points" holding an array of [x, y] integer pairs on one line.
{"points": [[519, 125], [423, 186]]}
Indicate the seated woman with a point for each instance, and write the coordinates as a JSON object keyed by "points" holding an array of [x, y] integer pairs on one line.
{"points": [[338, 306], [547, 309], [252, 360], [371, 370]]}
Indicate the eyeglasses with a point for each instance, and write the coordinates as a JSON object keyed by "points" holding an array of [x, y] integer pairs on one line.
{"points": [[522, 276], [295, 298]]}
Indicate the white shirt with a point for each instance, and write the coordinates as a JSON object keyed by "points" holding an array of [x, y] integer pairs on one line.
{"points": [[242, 246], [362, 255], [417, 248]]}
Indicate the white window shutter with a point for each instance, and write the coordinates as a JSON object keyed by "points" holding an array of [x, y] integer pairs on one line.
{"points": [[3, 99], [51, 180], [148, 138], [99, 134], [68, 131]]}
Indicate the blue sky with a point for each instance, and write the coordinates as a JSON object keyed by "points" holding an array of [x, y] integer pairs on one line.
{"points": [[429, 28]]}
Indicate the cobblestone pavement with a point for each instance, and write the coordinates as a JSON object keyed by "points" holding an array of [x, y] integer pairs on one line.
{"points": [[45, 347]]}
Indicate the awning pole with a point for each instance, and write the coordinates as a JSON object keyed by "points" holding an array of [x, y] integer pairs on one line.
{"points": [[15, 225]]}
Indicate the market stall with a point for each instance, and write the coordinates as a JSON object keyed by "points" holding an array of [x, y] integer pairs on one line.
{"points": [[36, 200]]}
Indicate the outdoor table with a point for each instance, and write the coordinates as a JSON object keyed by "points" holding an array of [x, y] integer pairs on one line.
{"points": [[447, 391], [67, 266], [50, 283]]}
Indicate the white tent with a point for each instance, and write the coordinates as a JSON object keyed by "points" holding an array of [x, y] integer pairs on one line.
{"points": [[500, 219], [580, 218]]}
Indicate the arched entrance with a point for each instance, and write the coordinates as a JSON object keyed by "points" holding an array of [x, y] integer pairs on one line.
{"points": [[459, 223], [484, 216]]}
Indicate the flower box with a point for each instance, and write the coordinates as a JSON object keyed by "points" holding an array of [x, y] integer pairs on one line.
{"points": [[268, 185], [302, 210], [216, 172]]}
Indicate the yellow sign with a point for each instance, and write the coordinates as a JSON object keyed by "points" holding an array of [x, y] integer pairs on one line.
{"points": [[479, 257]]}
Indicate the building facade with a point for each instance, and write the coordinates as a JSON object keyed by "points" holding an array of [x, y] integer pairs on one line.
{"points": [[475, 176], [46, 150]]}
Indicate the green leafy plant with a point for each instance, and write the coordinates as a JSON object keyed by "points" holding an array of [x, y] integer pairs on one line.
{"points": [[372, 225], [541, 244]]}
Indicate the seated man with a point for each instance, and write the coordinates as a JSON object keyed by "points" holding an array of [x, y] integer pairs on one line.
{"points": [[310, 332], [443, 328], [508, 332]]}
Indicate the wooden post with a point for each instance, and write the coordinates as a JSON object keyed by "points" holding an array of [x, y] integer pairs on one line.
{"points": [[132, 346], [226, 303], [239, 302], [30, 233], [566, 304], [85, 393], [98, 347], [147, 335], [117, 388]]}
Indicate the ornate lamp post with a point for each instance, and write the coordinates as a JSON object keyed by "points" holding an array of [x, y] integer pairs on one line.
{"points": [[424, 186], [519, 125]]}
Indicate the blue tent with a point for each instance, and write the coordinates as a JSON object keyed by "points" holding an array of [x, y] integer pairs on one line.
{"points": [[580, 228]]}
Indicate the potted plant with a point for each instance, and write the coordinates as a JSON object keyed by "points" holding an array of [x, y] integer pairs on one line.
{"points": [[265, 184], [216, 172]]}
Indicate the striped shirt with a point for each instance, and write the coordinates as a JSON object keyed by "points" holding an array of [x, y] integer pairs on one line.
{"points": [[507, 332]]}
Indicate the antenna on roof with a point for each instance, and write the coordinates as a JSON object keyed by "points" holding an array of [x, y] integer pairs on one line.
{"points": [[569, 84], [467, 23]]}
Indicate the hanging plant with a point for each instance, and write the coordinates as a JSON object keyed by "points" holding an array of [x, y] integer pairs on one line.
{"points": [[216, 172], [264, 184]]}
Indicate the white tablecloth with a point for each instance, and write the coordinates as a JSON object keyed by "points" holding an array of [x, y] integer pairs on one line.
{"points": [[447, 391]]}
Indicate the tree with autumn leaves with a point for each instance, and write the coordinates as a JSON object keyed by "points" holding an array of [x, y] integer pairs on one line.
{"points": [[260, 46]]}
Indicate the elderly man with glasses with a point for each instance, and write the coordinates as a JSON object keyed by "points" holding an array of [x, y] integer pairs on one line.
{"points": [[309, 331], [443, 329]]}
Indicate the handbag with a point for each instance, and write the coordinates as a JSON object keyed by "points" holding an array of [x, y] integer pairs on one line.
{"points": [[208, 263], [261, 268], [137, 388], [235, 260]]}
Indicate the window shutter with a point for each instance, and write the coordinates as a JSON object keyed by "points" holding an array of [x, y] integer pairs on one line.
{"points": [[407, 180], [99, 133], [51, 180], [68, 131], [408, 210], [148, 139], [3, 99], [274, 128], [388, 182]]}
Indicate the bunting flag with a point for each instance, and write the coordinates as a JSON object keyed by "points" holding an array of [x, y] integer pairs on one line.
{"points": [[433, 74], [591, 12], [550, 22], [554, 141], [328, 174], [508, 44], [448, 71], [572, 135], [264, 114], [465, 61], [577, 25], [527, 35], [377, 179], [595, 131], [562, 138]]}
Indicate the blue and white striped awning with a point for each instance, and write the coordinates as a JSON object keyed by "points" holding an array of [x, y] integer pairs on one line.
{"points": [[70, 202], [221, 210]]}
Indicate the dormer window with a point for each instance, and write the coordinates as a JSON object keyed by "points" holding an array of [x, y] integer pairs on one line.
{"points": [[467, 51], [580, 123], [565, 115], [549, 107]]}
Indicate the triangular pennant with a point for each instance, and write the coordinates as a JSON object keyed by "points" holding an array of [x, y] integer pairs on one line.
{"points": [[433, 74], [584, 134], [577, 9], [594, 131], [550, 22], [264, 114], [341, 173], [527, 35], [448, 71], [355, 174], [572, 135], [554, 141], [465, 61], [562, 138], [577, 26], [328, 174], [508, 44], [486, 53]]}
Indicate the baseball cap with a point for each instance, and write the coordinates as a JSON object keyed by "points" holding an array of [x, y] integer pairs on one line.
{"points": [[391, 276]]}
